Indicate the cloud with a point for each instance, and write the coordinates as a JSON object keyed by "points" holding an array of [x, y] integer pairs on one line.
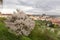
{"points": [[47, 4], [42, 4], [34, 6], [7, 10]]}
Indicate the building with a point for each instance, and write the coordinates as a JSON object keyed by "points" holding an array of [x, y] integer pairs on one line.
{"points": [[56, 21], [5, 15], [34, 17]]}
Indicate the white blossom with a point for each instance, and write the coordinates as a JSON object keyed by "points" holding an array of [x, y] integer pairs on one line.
{"points": [[20, 23]]}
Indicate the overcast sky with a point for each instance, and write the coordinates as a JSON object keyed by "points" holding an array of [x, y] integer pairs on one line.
{"points": [[33, 6]]}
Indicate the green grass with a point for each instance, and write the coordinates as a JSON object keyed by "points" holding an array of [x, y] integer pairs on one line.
{"points": [[40, 32], [6, 35]]}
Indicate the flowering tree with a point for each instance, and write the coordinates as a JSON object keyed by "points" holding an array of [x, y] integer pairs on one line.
{"points": [[20, 23]]}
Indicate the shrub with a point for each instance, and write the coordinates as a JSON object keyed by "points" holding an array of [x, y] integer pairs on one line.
{"points": [[20, 23], [41, 32], [2, 19]]}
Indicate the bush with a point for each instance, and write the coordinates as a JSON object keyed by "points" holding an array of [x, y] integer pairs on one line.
{"points": [[6, 35], [20, 23], [2, 19], [24, 38], [41, 32]]}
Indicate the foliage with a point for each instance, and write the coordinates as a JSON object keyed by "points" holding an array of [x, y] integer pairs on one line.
{"points": [[42, 32], [24, 38], [6, 35], [2, 19], [20, 23]]}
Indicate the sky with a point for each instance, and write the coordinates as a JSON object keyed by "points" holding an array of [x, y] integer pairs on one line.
{"points": [[51, 7]]}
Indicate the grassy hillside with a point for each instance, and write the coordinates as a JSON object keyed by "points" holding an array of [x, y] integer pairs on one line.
{"points": [[43, 32], [40, 32], [5, 35]]}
